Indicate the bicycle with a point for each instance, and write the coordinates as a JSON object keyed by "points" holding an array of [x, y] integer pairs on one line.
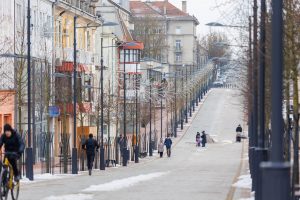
{"points": [[7, 179]]}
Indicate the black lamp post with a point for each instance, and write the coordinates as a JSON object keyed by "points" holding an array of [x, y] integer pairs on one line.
{"points": [[186, 96], [150, 135], [176, 125], [74, 150], [276, 184], [29, 150], [137, 56], [102, 160]]}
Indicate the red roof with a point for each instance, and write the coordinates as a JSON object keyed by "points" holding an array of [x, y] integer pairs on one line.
{"points": [[155, 8]]}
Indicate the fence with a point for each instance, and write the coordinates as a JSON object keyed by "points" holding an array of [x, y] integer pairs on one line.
{"points": [[49, 160]]}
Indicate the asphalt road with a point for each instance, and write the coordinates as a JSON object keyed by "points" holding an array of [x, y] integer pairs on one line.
{"points": [[190, 174]]}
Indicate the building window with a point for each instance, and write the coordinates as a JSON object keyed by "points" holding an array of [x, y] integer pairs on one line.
{"points": [[178, 57], [178, 44], [178, 30]]}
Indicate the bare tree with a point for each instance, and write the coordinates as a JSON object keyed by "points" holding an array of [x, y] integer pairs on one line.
{"points": [[151, 31]]}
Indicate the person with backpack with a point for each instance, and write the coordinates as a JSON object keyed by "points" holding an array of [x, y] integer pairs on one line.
{"points": [[168, 143], [90, 145]]}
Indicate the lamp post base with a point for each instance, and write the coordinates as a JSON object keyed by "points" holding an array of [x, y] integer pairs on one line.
{"points": [[29, 163], [102, 159], [125, 158], [276, 183], [136, 154], [74, 161], [261, 155]]}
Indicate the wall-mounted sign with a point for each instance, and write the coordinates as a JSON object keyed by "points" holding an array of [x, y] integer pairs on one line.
{"points": [[54, 111]]}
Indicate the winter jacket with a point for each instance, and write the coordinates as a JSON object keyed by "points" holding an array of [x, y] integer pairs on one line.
{"points": [[168, 143], [14, 143], [203, 138], [239, 129], [161, 147], [90, 145]]}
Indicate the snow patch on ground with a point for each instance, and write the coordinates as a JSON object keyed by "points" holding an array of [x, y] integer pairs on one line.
{"points": [[244, 181], [123, 183], [46, 177], [227, 141], [251, 198], [71, 197]]}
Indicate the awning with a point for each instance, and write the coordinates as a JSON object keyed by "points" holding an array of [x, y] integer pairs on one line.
{"points": [[68, 67]]}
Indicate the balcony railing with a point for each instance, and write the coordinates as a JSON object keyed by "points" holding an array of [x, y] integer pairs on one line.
{"points": [[84, 5], [178, 49]]}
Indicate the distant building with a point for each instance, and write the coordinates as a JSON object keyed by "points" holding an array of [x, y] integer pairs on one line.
{"points": [[177, 27]]}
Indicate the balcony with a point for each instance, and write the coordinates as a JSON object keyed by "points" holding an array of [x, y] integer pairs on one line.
{"points": [[178, 49], [87, 6], [83, 57]]}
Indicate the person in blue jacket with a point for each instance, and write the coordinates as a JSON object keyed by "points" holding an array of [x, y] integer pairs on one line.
{"points": [[168, 143]]}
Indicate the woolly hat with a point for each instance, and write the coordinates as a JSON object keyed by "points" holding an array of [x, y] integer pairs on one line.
{"points": [[8, 127]]}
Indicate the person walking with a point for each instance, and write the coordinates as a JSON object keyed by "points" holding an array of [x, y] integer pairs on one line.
{"points": [[161, 148], [198, 139], [168, 143], [238, 131], [90, 145], [204, 139]]}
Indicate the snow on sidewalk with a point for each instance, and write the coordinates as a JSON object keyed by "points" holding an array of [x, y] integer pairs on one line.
{"points": [[46, 177], [71, 197], [123, 183], [244, 181]]}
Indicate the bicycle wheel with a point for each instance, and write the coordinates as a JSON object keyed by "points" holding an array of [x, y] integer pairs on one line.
{"points": [[15, 191], [3, 185]]}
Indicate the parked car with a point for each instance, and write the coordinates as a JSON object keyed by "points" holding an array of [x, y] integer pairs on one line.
{"points": [[218, 84]]}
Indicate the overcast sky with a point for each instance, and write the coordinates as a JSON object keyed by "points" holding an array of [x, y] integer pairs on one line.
{"points": [[223, 11]]}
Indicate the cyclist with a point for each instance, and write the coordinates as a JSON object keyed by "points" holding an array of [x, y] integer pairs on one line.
{"points": [[90, 146], [13, 144]]}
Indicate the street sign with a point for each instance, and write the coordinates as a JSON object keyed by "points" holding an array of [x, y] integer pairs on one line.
{"points": [[54, 111]]}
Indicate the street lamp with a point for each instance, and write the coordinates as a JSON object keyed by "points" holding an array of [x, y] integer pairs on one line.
{"points": [[29, 150], [276, 173]]}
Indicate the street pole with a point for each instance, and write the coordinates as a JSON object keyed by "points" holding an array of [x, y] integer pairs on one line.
{"points": [[181, 109], [261, 151], [250, 106], [186, 97], [161, 107], [255, 98], [124, 115], [276, 183], [175, 129], [136, 114], [74, 150], [29, 150], [150, 139], [102, 160]]}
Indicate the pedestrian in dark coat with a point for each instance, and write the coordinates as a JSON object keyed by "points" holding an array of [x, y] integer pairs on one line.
{"points": [[203, 137], [168, 143], [90, 145], [198, 139]]}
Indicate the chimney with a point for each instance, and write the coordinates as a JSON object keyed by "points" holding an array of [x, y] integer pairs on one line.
{"points": [[184, 6]]}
